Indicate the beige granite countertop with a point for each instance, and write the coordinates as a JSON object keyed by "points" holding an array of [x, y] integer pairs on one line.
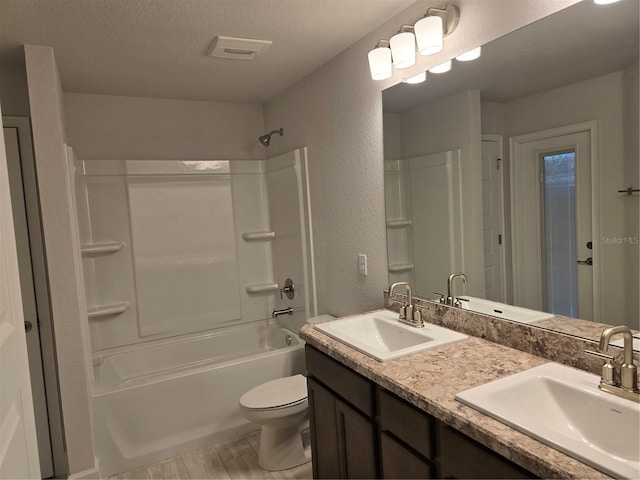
{"points": [[430, 380]]}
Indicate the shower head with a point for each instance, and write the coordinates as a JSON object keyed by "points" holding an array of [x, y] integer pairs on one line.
{"points": [[266, 138]]}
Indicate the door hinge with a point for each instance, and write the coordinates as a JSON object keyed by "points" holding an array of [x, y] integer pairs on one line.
{"points": [[499, 239], [498, 160]]}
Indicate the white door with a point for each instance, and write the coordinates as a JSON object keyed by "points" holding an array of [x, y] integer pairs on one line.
{"points": [[553, 208], [13, 150], [18, 443], [492, 218]]}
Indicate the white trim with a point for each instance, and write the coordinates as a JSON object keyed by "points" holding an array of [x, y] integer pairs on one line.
{"points": [[515, 143]]}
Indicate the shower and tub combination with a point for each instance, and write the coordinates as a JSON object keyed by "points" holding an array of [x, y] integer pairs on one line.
{"points": [[183, 264]]}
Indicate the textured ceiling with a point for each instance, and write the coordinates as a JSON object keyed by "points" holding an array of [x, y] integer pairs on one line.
{"points": [[156, 48]]}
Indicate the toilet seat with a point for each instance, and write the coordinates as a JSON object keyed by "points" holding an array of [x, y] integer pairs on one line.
{"points": [[276, 394]]}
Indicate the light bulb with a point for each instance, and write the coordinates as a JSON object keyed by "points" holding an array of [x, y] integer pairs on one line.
{"points": [[403, 49], [429, 35], [442, 68], [470, 55], [419, 78], [380, 63]]}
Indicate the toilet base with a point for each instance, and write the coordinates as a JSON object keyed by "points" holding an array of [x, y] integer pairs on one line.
{"points": [[282, 448]]}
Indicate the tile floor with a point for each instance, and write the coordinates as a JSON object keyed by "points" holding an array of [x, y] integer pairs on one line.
{"points": [[235, 459]]}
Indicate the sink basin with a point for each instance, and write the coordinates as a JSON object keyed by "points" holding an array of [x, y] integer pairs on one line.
{"points": [[563, 407], [502, 310], [381, 336]]}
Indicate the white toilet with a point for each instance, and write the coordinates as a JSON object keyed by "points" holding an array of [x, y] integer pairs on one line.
{"points": [[280, 406]]}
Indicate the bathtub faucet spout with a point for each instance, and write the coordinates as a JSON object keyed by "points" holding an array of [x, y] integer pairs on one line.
{"points": [[284, 311]]}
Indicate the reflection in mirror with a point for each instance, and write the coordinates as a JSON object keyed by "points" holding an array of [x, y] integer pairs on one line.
{"points": [[508, 168]]}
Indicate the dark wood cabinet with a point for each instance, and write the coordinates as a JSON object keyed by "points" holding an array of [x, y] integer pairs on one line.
{"points": [[398, 461], [341, 409], [356, 443], [360, 430], [462, 457], [407, 442], [324, 433]]}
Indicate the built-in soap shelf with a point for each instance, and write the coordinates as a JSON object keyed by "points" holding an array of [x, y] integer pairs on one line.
{"points": [[399, 223], [108, 310], [93, 249], [266, 287], [400, 267], [258, 236]]}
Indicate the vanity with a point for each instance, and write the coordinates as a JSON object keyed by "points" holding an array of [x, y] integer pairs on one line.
{"points": [[399, 419], [364, 430]]}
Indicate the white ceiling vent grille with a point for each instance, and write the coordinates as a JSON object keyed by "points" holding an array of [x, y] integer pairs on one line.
{"points": [[237, 48]]}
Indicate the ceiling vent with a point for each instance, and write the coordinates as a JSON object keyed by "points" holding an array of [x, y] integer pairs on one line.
{"points": [[237, 48]]}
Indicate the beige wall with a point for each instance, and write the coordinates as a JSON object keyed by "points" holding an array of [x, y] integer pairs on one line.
{"points": [[131, 128], [337, 113], [13, 90]]}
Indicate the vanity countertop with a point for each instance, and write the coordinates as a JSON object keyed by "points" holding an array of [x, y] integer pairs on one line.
{"points": [[430, 380]]}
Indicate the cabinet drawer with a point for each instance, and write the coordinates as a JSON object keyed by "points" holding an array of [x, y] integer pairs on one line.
{"points": [[462, 457], [400, 462], [354, 388], [406, 422]]}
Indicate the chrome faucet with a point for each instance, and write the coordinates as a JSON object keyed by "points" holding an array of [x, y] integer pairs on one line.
{"points": [[408, 313], [451, 300], [283, 311], [628, 385]]}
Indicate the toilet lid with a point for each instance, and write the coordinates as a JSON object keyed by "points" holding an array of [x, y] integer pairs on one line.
{"points": [[276, 393]]}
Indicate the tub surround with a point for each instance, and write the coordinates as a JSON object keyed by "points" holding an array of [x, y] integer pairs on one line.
{"points": [[429, 380]]}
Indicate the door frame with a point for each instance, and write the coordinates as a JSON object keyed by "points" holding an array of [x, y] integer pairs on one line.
{"points": [[41, 286], [515, 154]]}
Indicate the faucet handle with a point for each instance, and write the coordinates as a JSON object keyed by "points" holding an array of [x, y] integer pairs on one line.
{"points": [[442, 297], [608, 369]]}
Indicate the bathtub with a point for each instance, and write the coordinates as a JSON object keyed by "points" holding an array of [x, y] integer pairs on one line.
{"points": [[158, 401]]}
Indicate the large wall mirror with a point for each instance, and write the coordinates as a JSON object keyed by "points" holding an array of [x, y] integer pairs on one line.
{"points": [[514, 169]]}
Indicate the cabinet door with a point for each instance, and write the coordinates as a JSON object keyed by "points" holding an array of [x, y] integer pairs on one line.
{"points": [[324, 436], [399, 461], [356, 443]]}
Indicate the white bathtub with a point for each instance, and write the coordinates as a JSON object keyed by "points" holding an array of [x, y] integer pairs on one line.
{"points": [[155, 402]]}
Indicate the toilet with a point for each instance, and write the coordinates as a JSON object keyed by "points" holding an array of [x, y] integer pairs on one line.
{"points": [[281, 407]]}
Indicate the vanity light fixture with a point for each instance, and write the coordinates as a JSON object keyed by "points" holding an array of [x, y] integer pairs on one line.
{"points": [[605, 2], [403, 47], [442, 68], [470, 55], [400, 50], [419, 78], [380, 61]]}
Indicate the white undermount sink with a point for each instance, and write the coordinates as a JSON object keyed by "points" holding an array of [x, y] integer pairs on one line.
{"points": [[503, 310], [563, 407], [381, 336]]}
